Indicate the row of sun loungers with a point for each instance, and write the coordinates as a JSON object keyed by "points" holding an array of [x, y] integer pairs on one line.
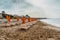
{"points": [[21, 26]]}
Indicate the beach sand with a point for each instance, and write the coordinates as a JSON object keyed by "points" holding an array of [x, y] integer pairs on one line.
{"points": [[39, 31]]}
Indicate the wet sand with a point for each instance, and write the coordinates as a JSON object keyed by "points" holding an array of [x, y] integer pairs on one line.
{"points": [[39, 31]]}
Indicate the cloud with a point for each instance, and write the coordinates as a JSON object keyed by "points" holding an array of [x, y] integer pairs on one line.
{"points": [[50, 7], [21, 7], [14, 5], [35, 8]]}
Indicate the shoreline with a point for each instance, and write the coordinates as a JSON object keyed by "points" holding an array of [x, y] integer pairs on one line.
{"points": [[49, 26], [54, 22]]}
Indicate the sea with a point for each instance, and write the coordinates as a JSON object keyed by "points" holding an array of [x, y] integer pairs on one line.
{"points": [[52, 21]]}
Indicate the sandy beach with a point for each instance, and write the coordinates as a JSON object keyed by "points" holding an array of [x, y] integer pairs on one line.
{"points": [[39, 31]]}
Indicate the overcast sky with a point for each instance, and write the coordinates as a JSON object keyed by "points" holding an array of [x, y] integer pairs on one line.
{"points": [[35, 8]]}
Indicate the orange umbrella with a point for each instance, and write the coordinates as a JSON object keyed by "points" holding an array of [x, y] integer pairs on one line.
{"points": [[23, 20], [8, 18], [29, 19], [33, 19]]}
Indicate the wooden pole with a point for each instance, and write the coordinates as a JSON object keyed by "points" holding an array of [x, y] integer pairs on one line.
{"points": [[17, 18]]}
